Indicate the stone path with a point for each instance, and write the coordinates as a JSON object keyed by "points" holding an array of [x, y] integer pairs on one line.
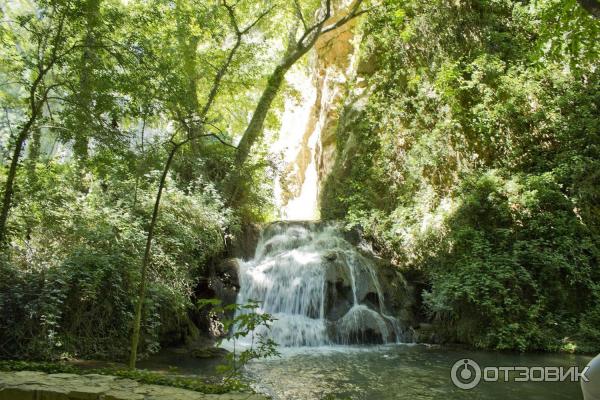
{"points": [[26, 385]]}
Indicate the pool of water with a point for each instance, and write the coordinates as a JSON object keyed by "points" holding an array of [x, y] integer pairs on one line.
{"points": [[414, 372]]}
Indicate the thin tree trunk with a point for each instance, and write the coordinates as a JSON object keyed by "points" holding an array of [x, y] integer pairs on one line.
{"points": [[19, 142], [10, 179], [33, 154], [35, 107], [135, 336], [88, 62], [138, 167]]}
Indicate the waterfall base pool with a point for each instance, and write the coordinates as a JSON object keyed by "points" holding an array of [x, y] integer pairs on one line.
{"points": [[415, 372]]}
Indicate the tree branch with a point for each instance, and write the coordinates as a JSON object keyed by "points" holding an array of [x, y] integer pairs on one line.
{"points": [[315, 30], [223, 69], [295, 51], [299, 14], [355, 12]]}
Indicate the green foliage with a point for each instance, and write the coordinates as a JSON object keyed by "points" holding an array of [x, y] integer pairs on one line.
{"points": [[475, 162], [245, 322], [517, 270], [69, 282], [94, 92]]}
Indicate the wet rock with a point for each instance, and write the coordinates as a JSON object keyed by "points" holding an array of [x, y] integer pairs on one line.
{"points": [[208, 352], [228, 271], [371, 300], [380, 287], [243, 244], [311, 274], [336, 270], [361, 325], [338, 290], [338, 300], [224, 284], [424, 333], [202, 347], [399, 295]]}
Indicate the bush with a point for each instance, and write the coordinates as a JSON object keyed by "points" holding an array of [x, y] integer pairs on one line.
{"points": [[516, 270], [69, 282], [474, 163]]}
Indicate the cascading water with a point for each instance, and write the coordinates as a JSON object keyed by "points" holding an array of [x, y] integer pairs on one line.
{"points": [[317, 285]]}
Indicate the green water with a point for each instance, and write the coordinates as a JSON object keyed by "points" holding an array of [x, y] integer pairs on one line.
{"points": [[411, 372]]}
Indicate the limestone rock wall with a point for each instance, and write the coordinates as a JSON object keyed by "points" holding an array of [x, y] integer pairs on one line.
{"points": [[333, 69]]}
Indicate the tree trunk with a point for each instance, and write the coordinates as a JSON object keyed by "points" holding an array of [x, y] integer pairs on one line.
{"points": [[35, 108], [33, 156], [135, 336], [299, 48], [10, 179], [254, 129], [88, 63]]}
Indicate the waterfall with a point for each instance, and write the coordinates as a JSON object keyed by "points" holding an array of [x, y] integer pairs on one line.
{"points": [[306, 138], [317, 286]]}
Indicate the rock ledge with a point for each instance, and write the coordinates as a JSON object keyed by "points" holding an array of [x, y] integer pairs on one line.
{"points": [[26, 385]]}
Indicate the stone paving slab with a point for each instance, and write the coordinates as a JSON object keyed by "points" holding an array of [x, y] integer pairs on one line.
{"points": [[29, 385]]}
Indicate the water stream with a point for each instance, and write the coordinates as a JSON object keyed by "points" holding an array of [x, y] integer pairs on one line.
{"points": [[317, 286], [400, 372], [328, 302], [381, 372]]}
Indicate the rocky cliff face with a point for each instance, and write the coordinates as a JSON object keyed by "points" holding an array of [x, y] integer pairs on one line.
{"points": [[333, 69], [336, 55]]}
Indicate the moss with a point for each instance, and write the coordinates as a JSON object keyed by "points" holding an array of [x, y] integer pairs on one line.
{"points": [[141, 376]]}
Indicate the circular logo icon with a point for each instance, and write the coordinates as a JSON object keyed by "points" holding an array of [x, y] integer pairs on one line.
{"points": [[465, 374]]}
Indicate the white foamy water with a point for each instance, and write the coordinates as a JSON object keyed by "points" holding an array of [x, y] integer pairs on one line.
{"points": [[293, 274]]}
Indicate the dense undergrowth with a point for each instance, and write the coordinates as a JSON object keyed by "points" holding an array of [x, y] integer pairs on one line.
{"points": [[103, 103], [475, 164], [68, 284]]}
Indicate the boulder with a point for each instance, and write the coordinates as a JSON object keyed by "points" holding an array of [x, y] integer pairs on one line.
{"points": [[228, 272], [338, 300], [243, 244], [375, 280], [208, 352], [338, 289], [224, 281], [362, 325], [336, 269]]}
